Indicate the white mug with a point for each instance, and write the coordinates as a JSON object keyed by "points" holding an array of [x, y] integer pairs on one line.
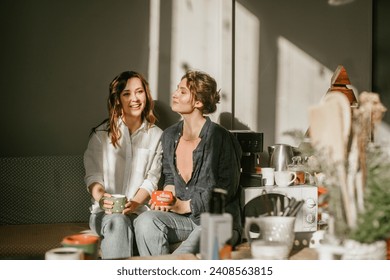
{"points": [[64, 253], [271, 229], [268, 174], [285, 178]]}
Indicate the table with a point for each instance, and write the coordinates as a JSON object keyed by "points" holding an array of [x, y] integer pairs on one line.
{"points": [[167, 257], [242, 252]]}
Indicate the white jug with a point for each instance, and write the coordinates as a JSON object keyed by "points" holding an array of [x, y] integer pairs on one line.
{"points": [[272, 228]]}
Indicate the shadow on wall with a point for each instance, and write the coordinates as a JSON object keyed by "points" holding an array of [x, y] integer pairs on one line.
{"points": [[165, 116], [225, 119]]}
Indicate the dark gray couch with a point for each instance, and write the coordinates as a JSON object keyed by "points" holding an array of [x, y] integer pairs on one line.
{"points": [[42, 200]]}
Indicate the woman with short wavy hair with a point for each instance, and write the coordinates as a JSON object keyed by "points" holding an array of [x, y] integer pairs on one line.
{"points": [[198, 156]]}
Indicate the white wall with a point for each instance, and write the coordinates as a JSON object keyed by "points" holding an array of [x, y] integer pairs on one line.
{"points": [[301, 43]]}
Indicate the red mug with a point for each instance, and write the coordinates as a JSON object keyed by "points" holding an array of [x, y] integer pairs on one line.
{"points": [[88, 243], [162, 198]]}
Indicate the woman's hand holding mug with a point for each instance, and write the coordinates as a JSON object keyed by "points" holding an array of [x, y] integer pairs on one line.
{"points": [[113, 203], [162, 200]]}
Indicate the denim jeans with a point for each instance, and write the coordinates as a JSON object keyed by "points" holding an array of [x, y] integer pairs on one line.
{"points": [[156, 230], [116, 232]]}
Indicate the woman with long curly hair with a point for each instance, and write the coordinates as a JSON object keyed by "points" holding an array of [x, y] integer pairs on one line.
{"points": [[123, 157]]}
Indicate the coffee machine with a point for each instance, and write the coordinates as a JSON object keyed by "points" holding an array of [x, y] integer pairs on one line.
{"points": [[252, 146], [254, 191]]}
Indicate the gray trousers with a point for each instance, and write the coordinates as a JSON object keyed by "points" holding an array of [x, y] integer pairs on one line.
{"points": [[156, 230], [117, 234]]}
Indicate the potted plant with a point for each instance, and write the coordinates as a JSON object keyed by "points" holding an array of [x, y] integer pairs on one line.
{"points": [[357, 177], [358, 186], [374, 222]]}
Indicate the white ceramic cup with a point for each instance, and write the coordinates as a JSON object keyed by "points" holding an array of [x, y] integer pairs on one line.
{"points": [[285, 178], [268, 176], [65, 253]]}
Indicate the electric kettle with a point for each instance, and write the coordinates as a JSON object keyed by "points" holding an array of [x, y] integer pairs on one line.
{"points": [[280, 156]]}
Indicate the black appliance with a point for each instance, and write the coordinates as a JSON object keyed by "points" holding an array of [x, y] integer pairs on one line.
{"points": [[252, 146]]}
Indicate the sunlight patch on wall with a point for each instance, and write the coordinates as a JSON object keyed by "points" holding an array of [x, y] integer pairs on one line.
{"points": [[154, 37], [301, 82], [201, 39], [247, 51]]}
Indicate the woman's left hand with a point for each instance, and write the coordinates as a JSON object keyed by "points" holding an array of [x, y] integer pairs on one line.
{"points": [[131, 206], [179, 207], [164, 208]]}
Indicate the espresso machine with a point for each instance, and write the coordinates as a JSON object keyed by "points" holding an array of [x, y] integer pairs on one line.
{"points": [[252, 146], [254, 191]]}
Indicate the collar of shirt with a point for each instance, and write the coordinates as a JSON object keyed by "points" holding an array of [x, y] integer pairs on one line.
{"points": [[202, 133], [122, 126]]}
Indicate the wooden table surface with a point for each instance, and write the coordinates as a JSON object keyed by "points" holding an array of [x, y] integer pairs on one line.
{"points": [[168, 257], [242, 253]]}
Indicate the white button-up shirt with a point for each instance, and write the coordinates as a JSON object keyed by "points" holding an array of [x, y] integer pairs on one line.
{"points": [[134, 164]]}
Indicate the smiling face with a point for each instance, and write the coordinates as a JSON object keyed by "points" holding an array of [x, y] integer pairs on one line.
{"points": [[133, 99]]}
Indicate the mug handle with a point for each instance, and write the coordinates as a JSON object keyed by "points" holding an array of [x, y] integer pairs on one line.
{"points": [[101, 202], [308, 178], [248, 222], [293, 179]]}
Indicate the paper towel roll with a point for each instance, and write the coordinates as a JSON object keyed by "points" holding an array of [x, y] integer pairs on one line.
{"points": [[66, 253]]}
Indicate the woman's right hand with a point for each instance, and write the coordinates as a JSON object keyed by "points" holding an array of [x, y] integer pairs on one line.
{"points": [[165, 208], [105, 204], [99, 193]]}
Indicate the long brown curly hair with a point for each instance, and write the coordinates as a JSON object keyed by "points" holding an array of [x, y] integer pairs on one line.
{"points": [[114, 105]]}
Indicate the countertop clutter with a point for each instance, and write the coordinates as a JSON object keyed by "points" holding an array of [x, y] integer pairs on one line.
{"points": [[342, 133]]}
